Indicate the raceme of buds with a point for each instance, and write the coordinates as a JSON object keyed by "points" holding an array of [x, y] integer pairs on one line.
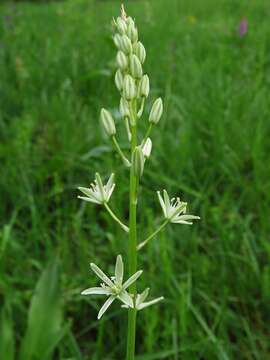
{"points": [[107, 122], [138, 161], [124, 108], [119, 79], [156, 111], [125, 44], [135, 67], [121, 25], [139, 51], [144, 86], [121, 60], [129, 88]]}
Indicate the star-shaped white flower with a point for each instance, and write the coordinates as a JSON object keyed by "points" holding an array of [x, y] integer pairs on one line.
{"points": [[174, 209], [140, 300], [114, 286], [98, 193]]}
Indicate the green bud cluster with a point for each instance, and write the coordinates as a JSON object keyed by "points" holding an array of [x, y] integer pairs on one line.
{"points": [[130, 79]]}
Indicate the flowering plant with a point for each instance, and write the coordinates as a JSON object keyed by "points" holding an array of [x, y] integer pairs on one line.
{"points": [[133, 86]]}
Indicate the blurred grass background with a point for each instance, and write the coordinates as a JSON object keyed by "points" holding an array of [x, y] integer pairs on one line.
{"points": [[211, 147]]}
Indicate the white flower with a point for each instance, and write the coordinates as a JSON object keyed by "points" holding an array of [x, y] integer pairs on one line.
{"points": [[175, 210], [140, 298], [114, 286], [98, 193]]}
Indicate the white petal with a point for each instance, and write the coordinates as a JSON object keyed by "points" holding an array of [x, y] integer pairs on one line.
{"points": [[166, 201], [126, 299], [178, 220], [101, 274], [96, 291], [132, 279], [105, 306], [162, 204], [189, 217], [141, 297], [89, 199], [100, 186], [109, 193], [119, 270], [110, 183], [149, 303]]}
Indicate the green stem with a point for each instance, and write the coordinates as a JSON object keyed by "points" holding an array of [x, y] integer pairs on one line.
{"points": [[132, 240], [147, 133], [123, 226], [120, 152], [152, 235]]}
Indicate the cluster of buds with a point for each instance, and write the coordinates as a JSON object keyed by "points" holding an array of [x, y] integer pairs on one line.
{"points": [[133, 86]]}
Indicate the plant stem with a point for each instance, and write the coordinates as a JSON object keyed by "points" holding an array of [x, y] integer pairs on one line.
{"points": [[152, 235], [148, 132], [132, 253], [123, 226], [118, 149]]}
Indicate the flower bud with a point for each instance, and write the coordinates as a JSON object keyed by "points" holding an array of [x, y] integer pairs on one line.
{"points": [[132, 32], [117, 40], [129, 88], [139, 50], [126, 45], [119, 79], [107, 122], [135, 67], [144, 86], [121, 60], [156, 111], [147, 148], [138, 161], [121, 25], [130, 21], [124, 108]]}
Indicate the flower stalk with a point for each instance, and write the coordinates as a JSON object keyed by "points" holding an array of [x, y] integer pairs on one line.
{"points": [[132, 256]]}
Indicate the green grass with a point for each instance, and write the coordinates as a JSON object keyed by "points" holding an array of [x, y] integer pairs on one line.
{"points": [[211, 147]]}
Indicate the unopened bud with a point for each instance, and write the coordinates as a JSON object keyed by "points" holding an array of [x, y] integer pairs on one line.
{"points": [[129, 88], [117, 40], [132, 32], [119, 79], [156, 111], [121, 25], [138, 161], [130, 21], [139, 50], [121, 60], [107, 122], [135, 67], [147, 148], [124, 108], [144, 86], [126, 45]]}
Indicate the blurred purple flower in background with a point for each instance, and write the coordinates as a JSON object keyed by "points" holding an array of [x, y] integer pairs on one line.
{"points": [[243, 27]]}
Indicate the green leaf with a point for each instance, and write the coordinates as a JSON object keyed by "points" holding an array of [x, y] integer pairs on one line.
{"points": [[6, 335], [44, 328]]}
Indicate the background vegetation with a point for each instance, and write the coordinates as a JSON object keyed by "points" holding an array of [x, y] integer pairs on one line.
{"points": [[211, 147]]}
